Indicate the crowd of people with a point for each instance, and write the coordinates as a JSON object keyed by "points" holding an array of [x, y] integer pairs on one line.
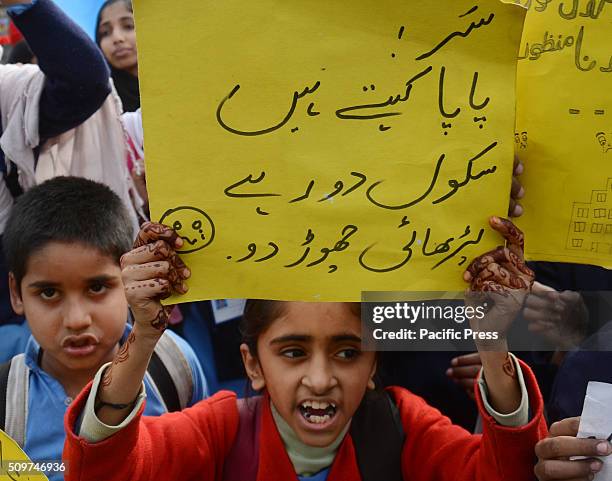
{"points": [[99, 373]]}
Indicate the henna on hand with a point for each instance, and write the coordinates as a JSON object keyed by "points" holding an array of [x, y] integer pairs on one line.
{"points": [[504, 266], [122, 356], [150, 231], [160, 322], [509, 367]]}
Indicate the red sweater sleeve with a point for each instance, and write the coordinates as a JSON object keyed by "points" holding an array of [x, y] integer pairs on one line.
{"points": [[189, 445], [437, 450]]}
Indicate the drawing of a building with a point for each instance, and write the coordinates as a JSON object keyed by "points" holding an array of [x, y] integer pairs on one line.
{"points": [[590, 227]]}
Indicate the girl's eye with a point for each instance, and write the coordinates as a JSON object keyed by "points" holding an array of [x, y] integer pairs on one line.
{"points": [[293, 353], [104, 33], [48, 293], [128, 24], [348, 353], [97, 288]]}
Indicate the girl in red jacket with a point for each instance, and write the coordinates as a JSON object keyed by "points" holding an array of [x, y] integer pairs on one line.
{"points": [[320, 416]]}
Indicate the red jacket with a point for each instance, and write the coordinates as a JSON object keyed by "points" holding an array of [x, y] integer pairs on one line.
{"points": [[191, 445]]}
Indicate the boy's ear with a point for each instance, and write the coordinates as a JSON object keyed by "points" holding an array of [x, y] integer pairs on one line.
{"points": [[252, 367], [371, 383], [16, 301]]}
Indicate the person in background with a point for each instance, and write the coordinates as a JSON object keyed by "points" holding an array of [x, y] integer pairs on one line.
{"points": [[40, 102], [116, 37]]}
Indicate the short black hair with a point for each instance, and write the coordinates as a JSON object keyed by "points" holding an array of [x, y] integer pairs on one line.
{"points": [[66, 209]]}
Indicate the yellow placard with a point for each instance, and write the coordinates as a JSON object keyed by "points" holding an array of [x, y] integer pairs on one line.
{"points": [[564, 130], [15, 465], [314, 150]]}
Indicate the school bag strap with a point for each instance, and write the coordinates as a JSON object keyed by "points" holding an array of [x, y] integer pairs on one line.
{"points": [[378, 437], [171, 374], [376, 430], [14, 403], [242, 462], [4, 373]]}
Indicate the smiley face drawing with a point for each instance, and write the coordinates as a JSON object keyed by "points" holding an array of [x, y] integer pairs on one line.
{"points": [[192, 225]]}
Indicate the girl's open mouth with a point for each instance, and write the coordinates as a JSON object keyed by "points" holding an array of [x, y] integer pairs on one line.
{"points": [[317, 412]]}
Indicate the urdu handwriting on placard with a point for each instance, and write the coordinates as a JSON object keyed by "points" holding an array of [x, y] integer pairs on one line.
{"points": [[569, 11], [454, 184], [294, 102], [463, 34], [350, 231], [583, 63], [593, 9], [349, 145], [439, 249], [363, 111]]}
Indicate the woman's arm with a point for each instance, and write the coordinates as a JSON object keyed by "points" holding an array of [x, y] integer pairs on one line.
{"points": [[77, 77]]}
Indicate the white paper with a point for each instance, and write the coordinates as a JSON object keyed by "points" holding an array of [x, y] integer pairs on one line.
{"points": [[227, 309], [596, 420]]}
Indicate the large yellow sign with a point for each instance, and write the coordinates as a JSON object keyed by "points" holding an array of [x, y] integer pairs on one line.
{"points": [[313, 150], [564, 130]]}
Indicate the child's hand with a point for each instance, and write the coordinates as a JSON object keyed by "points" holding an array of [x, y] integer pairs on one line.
{"points": [[151, 272], [554, 453], [501, 279]]}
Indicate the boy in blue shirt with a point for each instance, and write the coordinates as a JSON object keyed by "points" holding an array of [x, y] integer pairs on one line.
{"points": [[63, 242], [76, 84]]}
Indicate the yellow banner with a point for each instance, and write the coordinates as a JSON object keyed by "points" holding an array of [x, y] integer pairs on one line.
{"points": [[564, 130], [15, 464], [313, 150]]}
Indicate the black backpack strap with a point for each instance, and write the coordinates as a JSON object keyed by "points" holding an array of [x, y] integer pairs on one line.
{"points": [[163, 381], [378, 437], [4, 374], [242, 462]]}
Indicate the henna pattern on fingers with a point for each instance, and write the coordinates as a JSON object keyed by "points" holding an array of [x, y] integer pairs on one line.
{"points": [[153, 231], [512, 233]]}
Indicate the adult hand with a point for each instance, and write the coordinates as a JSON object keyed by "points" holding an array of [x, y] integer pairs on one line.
{"points": [[560, 317], [517, 191], [464, 371], [555, 451]]}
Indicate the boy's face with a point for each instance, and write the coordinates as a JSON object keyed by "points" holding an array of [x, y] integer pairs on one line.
{"points": [[73, 298], [311, 363]]}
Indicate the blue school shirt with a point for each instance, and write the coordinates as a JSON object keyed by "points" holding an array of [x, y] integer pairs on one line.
{"points": [[320, 476], [48, 402]]}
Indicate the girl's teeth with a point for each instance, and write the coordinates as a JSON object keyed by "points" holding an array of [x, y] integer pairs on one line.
{"points": [[318, 419]]}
